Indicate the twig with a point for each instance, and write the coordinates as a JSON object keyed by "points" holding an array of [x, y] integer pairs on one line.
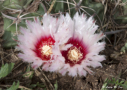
{"points": [[114, 32], [103, 26], [53, 2], [68, 6], [2, 57], [40, 76], [17, 66], [34, 3], [6, 56], [47, 79], [118, 1]]}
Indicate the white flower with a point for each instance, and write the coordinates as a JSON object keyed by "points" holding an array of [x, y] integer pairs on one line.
{"points": [[40, 43], [84, 49], [37, 42], [62, 44]]}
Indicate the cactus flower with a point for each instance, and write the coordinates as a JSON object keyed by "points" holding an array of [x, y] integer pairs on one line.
{"points": [[62, 44], [85, 48]]}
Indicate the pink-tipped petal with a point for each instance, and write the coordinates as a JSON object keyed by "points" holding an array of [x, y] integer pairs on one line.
{"points": [[84, 47]]}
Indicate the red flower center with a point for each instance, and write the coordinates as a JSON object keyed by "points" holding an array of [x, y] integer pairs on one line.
{"points": [[76, 53], [44, 47]]}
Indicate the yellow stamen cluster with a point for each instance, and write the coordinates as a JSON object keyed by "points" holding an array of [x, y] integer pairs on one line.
{"points": [[46, 50], [74, 54]]}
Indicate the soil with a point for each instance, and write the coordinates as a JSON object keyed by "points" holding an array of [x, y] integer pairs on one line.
{"points": [[115, 66]]}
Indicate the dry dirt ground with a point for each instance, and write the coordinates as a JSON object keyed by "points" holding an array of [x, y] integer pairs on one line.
{"points": [[115, 66]]}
